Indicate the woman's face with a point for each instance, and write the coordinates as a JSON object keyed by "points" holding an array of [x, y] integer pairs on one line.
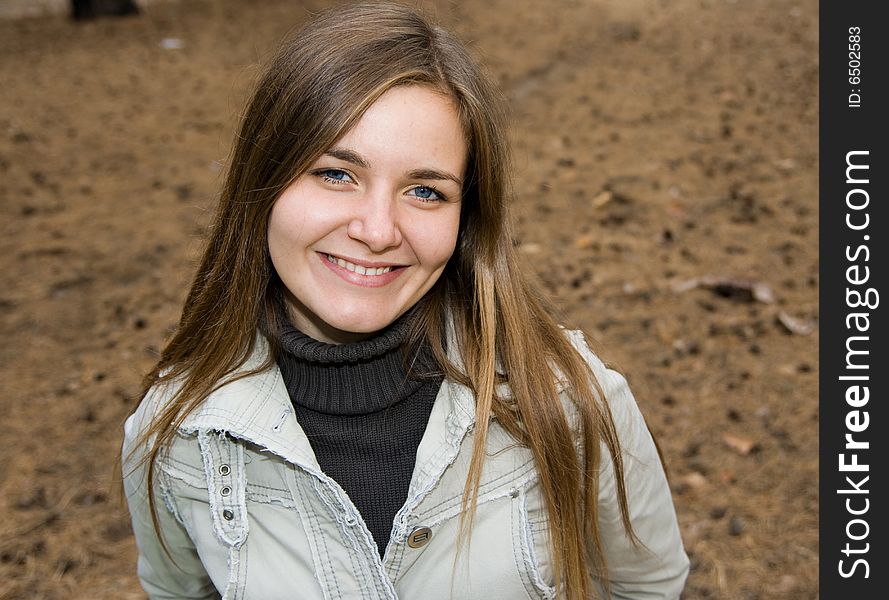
{"points": [[367, 230]]}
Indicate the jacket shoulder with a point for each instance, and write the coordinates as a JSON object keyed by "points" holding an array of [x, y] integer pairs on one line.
{"points": [[613, 384], [152, 404]]}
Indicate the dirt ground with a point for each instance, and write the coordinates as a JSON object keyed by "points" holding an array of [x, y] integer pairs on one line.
{"points": [[666, 194]]}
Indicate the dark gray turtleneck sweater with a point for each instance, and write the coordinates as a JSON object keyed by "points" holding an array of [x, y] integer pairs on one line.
{"points": [[364, 416]]}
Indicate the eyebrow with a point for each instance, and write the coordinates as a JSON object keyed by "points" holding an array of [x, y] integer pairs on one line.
{"points": [[435, 175], [354, 158], [348, 156]]}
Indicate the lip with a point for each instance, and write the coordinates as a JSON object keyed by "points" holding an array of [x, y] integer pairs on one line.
{"points": [[371, 281]]}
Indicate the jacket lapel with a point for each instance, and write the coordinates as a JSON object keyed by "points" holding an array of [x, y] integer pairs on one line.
{"points": [[256, 408]]}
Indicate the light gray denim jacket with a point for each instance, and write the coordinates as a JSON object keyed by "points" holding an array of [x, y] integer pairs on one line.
{"points": [[247, 513]]}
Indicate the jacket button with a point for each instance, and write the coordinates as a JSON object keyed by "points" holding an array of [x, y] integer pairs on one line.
{"points": [[228, 515], [224, 470], [225, 491], [419, 537]]}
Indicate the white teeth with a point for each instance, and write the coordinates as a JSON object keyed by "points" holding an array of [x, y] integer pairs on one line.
{"points": [[358, 268]]}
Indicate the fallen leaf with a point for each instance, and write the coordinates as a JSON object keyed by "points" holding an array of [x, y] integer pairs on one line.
{"points": [[742, 446], [584, 241], [602, 198], [763, 292], [794, 325], [694, 480]]}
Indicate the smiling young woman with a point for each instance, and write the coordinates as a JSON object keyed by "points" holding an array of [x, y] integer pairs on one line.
{"points": [[365, 396]]}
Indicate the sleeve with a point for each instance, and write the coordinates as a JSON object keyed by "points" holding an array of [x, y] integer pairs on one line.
{"points": [[179, 574], [655, 569]]}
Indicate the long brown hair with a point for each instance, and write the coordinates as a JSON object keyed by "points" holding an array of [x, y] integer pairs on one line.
{"points": [[316, 87]]}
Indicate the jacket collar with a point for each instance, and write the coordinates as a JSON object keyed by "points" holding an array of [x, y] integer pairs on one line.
{"points": [[257, 408]]}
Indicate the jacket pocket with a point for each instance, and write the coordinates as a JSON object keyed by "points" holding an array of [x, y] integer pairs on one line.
{"points": [[531, 542]]}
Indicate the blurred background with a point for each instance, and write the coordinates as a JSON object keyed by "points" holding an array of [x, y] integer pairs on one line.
{"points": [[666, 196]]}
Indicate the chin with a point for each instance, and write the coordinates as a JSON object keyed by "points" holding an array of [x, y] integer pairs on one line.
{"points": [[361, 323], [366, 325]]}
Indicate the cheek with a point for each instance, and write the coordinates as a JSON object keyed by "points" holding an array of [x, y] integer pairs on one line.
{"points": [[280, 231], [439, 241], [289, 224]]}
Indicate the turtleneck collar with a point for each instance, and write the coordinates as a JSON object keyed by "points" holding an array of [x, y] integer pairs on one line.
{"points": [[306, 348], [350, 379]]}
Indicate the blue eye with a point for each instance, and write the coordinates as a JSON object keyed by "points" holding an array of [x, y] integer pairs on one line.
{"points": [[333, 175], [427, 193]]}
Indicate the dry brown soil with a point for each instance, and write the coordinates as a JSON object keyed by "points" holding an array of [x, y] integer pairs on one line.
{"points": [[666, 160]]}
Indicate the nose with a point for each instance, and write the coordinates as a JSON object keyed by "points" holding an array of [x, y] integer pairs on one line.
{"points": [[376, 222]]}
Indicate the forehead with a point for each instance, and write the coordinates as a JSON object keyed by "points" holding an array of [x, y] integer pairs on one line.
{"points": [[409, 123]]}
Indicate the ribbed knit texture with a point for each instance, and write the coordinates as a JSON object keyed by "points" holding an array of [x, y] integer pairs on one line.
{"points": [[363, 415]]}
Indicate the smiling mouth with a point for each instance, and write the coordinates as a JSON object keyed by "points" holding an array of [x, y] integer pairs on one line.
{"points": [[368, 271]]}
